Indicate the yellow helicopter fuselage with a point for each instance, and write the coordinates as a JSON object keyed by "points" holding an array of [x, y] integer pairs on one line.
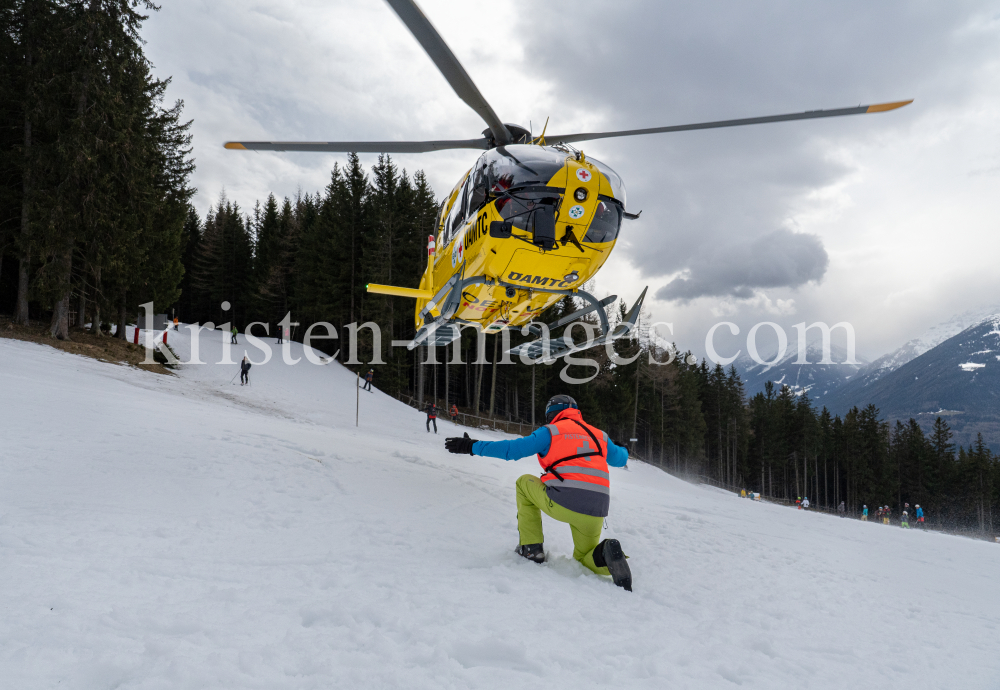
{"points": [[586, 200]]}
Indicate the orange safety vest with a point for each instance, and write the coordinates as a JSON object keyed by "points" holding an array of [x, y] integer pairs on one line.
{"points": [[578, 455]]}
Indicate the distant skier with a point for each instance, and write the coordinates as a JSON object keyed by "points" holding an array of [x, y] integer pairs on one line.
{"points": [[233, 341], [245, 371], [454, 413], [432, 416], [841, 509], [920, 516], [885, 514], [805, 503], [176, 323], [798, 503], [864, 513], [575, 487], [905, 520], [368, 380], [280, 329], [743, 493]]}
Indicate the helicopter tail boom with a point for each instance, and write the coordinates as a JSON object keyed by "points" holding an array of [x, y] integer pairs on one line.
{"points": [[399, 291]]}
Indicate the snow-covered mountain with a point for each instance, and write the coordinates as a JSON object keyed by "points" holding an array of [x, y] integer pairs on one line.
{"points": [[840, 383], [932, 337], [814, 378], [958, 379], [186, 532]]}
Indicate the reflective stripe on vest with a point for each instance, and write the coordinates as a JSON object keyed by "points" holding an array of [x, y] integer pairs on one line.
{"points": [[572, 460]]}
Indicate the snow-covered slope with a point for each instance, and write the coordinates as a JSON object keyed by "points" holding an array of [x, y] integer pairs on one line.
{"points": [[183, 532]]}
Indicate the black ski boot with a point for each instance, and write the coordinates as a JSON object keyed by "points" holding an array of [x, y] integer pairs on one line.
{"points": [[608, 554], [533, 552]]}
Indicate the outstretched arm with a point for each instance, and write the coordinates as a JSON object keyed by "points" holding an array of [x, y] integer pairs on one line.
{"points": [[617, 456], [515, 449]]}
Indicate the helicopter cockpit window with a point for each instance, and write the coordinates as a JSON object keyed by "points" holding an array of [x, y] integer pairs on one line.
{"points": [[522, 166], [607, 220], [457, 215], [479, 187], [437, 221]]}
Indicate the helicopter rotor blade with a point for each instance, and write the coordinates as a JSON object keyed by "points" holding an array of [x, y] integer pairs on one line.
{"points": [[808, 115], [360, 146], [438, 51]]}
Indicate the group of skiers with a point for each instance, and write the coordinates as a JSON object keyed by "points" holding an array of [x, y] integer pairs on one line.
{"points": [[883, 513], [432, 412]]}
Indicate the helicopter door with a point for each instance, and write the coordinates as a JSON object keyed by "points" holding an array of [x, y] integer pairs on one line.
{"points": [[524, 270]]}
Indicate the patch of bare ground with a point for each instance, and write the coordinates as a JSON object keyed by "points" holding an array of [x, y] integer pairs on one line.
{"points": [[104, 347]]}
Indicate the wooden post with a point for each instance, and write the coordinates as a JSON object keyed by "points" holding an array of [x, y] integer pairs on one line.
{"points": [[493, 386], [533, 395], [420, 376]]}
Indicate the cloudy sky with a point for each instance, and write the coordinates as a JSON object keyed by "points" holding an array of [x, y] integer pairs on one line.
{"points": [[889, 221]]}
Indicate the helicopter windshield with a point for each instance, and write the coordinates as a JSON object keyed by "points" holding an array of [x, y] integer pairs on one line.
{"points": [[607, 220], [509, 167]]}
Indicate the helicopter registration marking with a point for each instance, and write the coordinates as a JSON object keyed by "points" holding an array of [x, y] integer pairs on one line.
{"points": [[516, 277], [576, 212], [583, 175], [476, 231]]}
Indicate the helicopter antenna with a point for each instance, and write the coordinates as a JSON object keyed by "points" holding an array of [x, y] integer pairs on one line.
{"points": [[541, 137]]}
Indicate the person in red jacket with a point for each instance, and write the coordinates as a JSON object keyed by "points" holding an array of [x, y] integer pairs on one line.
{"points": [[454, 413], [432, 416]]}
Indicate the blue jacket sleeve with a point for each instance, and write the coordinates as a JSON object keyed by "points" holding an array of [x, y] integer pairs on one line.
{"points": [[517, 448], [617, 456]]}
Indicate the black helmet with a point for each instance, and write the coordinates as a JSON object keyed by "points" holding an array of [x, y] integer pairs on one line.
{"points": [[556, 404]]}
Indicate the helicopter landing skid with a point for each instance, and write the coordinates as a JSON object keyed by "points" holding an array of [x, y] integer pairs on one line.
{"points": [[543, 350], [445, 329]]}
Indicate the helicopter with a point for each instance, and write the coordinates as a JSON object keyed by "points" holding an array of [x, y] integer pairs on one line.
{"points": [[528, 224]]}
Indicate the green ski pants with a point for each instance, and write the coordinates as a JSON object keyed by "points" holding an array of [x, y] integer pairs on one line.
{"points": [[532, 500]]}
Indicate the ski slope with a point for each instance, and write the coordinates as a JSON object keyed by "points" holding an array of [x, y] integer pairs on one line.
{"points": [[183, 532]]}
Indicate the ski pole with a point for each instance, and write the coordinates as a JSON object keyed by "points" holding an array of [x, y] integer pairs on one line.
{"points": [[234, 377]]}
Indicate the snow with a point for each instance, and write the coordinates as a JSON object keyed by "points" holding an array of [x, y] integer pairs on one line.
{"points": [[931, 338], [183, 532], [971, 366]]}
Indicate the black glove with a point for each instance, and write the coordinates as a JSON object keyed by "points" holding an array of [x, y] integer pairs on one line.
{"points": [[457, 444]]}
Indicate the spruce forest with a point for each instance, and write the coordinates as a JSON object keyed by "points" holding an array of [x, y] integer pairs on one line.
{"points": [[97, 219]]}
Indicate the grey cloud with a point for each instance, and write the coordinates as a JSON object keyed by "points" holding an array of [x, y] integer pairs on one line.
{"points": [[777, 259]]}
